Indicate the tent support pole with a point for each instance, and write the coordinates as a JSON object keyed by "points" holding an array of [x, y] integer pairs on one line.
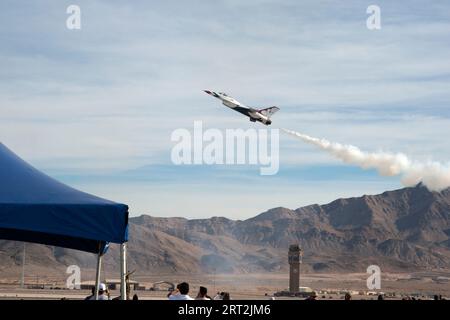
{"points": [[97, 275], [22, 281], [123, 271]]}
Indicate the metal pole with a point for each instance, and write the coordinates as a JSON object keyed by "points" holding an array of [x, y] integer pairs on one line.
{"points": [[123, 271], [299, 275], [22, 282], [214, 280], [300, 268], [97, 275]]}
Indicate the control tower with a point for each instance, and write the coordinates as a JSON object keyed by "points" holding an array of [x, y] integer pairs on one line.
{"points": [[295, 254]]}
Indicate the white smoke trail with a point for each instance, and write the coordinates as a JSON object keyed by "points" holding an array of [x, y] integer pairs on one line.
{"points": [[434, 175]]}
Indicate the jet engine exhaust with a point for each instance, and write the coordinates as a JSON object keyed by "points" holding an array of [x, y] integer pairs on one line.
{"points": [[434, 175]]}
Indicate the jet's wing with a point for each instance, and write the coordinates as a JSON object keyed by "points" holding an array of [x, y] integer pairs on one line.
{"points": [[268, 112]]}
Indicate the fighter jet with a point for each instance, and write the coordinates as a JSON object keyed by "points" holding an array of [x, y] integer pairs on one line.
{"points": [[260, 115]]}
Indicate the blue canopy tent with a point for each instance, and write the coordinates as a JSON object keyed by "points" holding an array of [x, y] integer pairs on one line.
{"points": [[36, 208]]}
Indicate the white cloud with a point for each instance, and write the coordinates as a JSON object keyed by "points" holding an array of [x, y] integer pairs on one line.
{"points": [[108, 96]]}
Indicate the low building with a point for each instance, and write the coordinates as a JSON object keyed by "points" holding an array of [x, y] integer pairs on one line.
{"points": [[112, 284]]}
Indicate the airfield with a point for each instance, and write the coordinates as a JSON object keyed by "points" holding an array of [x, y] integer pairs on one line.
{"points": [[395, 286]]}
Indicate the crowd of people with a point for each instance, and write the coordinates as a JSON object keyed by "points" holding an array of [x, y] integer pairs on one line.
{"points": [[182, 293]]}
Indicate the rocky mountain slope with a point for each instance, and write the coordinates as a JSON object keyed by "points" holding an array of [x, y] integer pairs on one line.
{"points": [[401, 230]]}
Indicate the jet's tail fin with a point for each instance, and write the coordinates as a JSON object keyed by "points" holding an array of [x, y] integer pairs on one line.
{"points": [[268, 112]]}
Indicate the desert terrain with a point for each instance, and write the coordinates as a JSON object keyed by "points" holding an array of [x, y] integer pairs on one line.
{"points": [[254, 286]]}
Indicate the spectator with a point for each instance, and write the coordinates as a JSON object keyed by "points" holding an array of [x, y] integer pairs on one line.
{"points": [[173, 292], [203, 294], [348, 296], [91, 297], [219, 296], [135, 297], [103, 293], [313, 296], [380, 297], [182, 292], [226, 296]]}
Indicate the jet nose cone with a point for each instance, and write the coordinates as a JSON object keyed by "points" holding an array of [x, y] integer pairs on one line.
{"points": [[207, 91]]}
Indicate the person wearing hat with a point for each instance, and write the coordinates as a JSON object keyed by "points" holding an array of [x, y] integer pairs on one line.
{"points": [[103, 292]]}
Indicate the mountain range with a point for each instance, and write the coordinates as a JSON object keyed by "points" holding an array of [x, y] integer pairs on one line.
{"points": [[400, 230]]}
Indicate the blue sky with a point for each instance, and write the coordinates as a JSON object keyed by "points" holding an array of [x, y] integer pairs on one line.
{"points": [[95, 107]]}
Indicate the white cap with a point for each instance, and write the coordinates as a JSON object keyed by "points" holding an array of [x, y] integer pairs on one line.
{"points": [[102, 287]]}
